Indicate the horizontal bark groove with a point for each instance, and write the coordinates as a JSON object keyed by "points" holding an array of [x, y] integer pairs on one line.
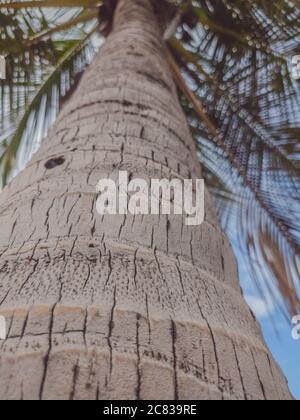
{"points": [[18, 327], [128, 344], [98, 266]]}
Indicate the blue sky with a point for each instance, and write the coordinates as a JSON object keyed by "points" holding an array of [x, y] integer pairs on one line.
{"points": [[285, 350], [277, 332]]}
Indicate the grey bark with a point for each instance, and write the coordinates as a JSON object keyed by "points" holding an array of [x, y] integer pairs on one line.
{"points": [[121, 307]]}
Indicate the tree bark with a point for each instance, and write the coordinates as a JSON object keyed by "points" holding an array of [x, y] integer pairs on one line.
{"points": [[122, 307]]}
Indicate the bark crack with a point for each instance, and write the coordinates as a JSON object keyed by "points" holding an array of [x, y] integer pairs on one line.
{"points": [[110, 330], [74, 380], [240, 372], [47, 356], [259, 377], [174, 339], [139, 377], [214, 347]]}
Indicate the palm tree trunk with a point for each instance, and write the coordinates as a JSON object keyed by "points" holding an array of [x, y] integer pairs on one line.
{"points": [[121, 307]]}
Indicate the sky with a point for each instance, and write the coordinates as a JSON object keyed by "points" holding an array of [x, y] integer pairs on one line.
{"points": [[277, 332]]}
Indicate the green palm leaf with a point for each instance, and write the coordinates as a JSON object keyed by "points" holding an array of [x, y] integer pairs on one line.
{"points": [[41, 102]]}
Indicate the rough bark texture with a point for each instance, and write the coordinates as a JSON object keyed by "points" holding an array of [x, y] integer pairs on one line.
{"points": [[121, 307]]}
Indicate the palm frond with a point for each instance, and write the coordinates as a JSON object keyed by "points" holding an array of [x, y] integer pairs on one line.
{"points": [[41, 109], [21, 5]]}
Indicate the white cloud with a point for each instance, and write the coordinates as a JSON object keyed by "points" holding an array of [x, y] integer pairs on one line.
{"points": [[261, 308]]}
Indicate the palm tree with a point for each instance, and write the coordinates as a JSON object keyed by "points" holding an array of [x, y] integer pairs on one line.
{"points": [[124, 307]]}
